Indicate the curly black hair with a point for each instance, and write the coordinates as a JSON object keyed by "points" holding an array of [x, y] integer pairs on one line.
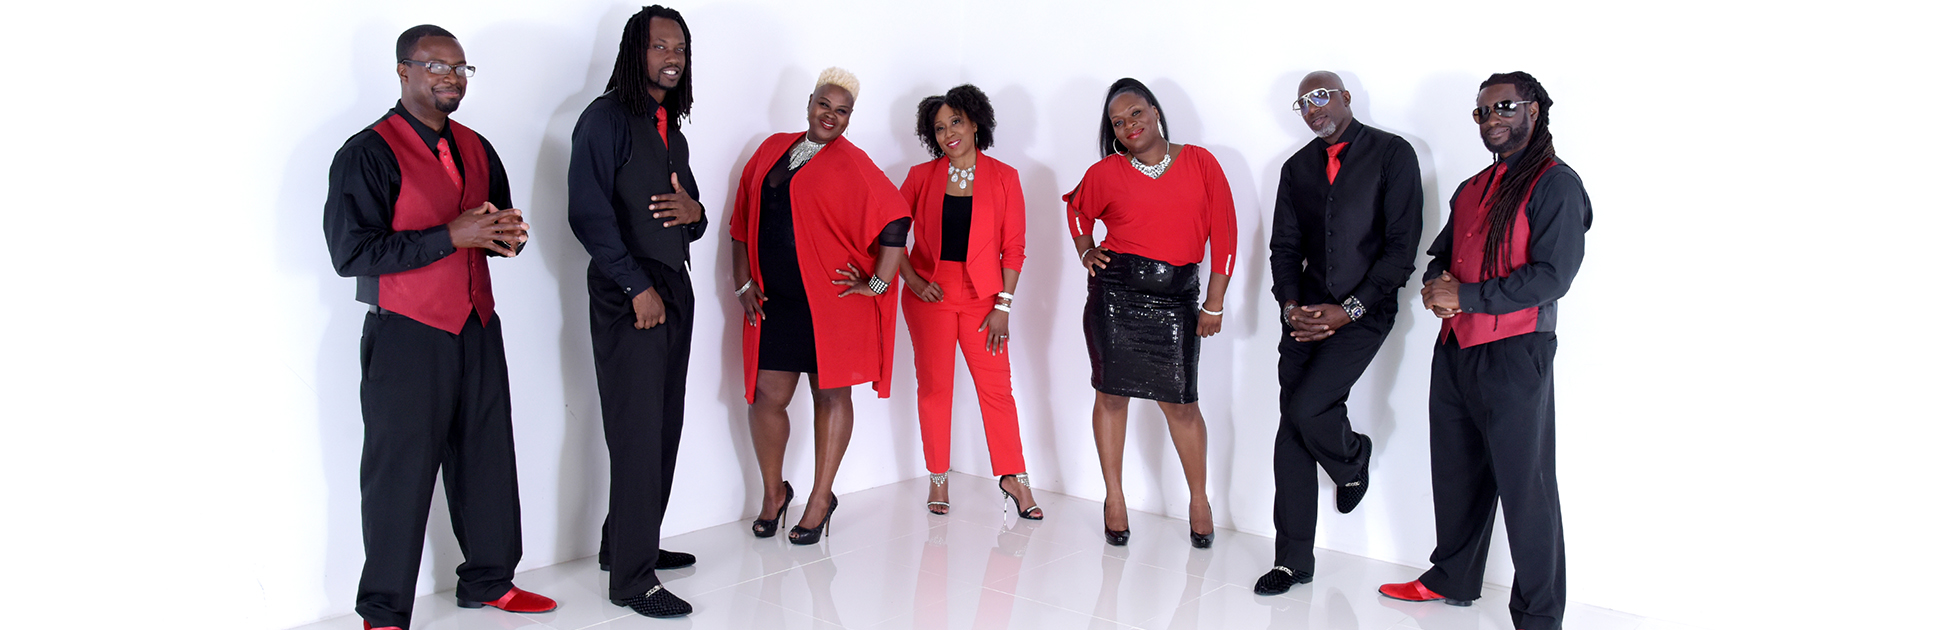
{"points": [[1106, 137], [967, 99]]}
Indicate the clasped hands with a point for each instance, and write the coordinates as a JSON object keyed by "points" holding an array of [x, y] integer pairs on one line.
{"points": [[494, 229], [1314, 322], [1442, 296]]}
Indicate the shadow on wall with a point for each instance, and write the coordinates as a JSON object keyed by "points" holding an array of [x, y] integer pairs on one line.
{"points": [[1034, 329]]}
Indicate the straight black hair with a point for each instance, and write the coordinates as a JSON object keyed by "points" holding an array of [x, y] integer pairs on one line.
{"points": [[1106, 137]]}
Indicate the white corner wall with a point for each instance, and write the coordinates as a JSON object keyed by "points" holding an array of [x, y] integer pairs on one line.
{"points": [[1747, 361]]}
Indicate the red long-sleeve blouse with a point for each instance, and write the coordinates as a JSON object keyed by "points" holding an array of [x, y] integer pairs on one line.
{"points": [[1170, 218]]}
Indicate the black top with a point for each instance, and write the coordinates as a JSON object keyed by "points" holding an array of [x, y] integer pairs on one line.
{"points": [[1355, 237], [612, 174], [956, 213], [365, 183], [778, 253], [1559, 213]]}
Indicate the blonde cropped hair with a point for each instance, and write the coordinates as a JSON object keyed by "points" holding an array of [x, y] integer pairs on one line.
{"points": [[840, 77]]}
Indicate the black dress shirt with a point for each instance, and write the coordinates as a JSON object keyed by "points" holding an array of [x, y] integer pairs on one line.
{"points": [[1355, 237], [1559, 213], [365, 183], [957, 214], [599, 147]]}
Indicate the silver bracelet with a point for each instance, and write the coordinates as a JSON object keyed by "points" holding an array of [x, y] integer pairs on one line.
{"points": [[1216, 313], [1354, 308], [1084, 255], [876, 285], [1006, 295], [747, 287], [1002, 307]]}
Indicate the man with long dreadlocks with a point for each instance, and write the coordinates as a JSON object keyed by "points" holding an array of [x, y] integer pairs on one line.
{"points": [[1514, 241], [631, 205]]}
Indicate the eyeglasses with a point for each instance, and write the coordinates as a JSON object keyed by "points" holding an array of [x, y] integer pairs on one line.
{"points": [[436, 67], [1503, 109], [1316, 98]]}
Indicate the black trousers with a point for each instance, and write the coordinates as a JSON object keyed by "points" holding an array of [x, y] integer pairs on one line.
{"points": [[1492, 435], [434, 402], [1315, 378], [640, 376]]}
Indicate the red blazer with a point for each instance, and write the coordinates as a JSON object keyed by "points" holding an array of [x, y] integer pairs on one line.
{"points": [[840, 203], [995, 226]]}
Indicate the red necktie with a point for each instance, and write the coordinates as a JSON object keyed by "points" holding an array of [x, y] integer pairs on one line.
{"points": [[447, 162], [1334, 160], [663, 127]]}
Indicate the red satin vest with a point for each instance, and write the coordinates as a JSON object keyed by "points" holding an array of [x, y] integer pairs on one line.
{"points": [[443, 293], [1470, 228]]}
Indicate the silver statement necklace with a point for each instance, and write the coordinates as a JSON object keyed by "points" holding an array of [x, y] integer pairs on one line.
{"points": [[805, 150], [961, 177], [1153, 172]]}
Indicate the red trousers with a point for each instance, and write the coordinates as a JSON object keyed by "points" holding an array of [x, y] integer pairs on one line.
{"points": [[937, 327]]}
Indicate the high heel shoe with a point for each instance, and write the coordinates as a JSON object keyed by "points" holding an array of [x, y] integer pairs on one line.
{"points": [[1202, 541], [1022, 479], [803, 536], [767, 528], [1116, 538], [937, 480]]}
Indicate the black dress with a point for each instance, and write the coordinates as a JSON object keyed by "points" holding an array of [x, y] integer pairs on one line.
{"points": [[785, 340]]}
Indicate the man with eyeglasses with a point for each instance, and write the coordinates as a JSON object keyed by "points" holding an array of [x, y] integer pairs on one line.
{"points": [[416, 202], [631, 206], [1346, 222], [1514, 241]]}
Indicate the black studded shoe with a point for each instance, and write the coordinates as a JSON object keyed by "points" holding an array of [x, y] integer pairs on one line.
{"points": [[658, 603], [803, 536], [1279, 580], [767, 528], [1348, 495]]}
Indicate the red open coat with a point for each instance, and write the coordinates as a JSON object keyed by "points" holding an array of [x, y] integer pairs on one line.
{"points": [[840, 203], [995, 225]]}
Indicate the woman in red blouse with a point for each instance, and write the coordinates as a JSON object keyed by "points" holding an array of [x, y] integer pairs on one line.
{"points": [[968, 243], [1161, 203], [812, 212]]}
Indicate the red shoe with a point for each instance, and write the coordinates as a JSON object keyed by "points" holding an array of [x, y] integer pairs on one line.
{"points": [[1415, 592], [369, 627], [516, 601]]}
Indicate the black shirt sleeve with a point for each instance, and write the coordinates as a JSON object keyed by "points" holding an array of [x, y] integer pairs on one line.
{"points": [[359, 214], [498, 188], [682, 147], [1401, 215], [1444, 244], [597, 150], [1285, 242], [1559, 213]]}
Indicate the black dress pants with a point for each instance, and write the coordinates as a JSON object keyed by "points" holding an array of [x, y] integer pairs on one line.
{"points": [[434, 402], [1492, 435], [640, 376], [1315, 378]]}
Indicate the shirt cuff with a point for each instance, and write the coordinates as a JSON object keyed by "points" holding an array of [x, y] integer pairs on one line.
{"points": [[437, 243], [1470, 296]]}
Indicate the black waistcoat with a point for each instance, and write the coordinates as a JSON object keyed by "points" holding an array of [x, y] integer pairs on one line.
{"points": [[647, 174]]}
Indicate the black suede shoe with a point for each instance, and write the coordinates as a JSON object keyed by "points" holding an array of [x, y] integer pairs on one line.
{"points": [[1279, 580], [1348, 495], [667, 560], [658, 603]]}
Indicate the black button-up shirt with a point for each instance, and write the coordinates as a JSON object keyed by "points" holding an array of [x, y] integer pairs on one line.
{"points": [[1355, 237], [598, 149], [1559, 213], [365, 183]]}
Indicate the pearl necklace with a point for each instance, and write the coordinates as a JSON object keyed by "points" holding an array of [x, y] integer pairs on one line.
{"points": [[1153, 172], [803, 152], [961, 177]]}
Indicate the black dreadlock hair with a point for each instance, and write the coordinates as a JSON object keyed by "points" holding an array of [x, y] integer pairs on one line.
{"points": [[973, 105], [412, 37], [1537, 156], [1106, 137], [630, 79]]}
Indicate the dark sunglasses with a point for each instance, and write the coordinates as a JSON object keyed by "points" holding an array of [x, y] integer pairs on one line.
{"points": [[1503, 109], [1317, 98]]}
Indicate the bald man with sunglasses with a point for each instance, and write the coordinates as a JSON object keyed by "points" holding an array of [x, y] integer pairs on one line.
{"points": [[1346, 223]]}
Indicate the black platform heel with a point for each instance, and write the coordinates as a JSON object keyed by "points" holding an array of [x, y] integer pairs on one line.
{"points": [[767, 528], [1022, 479], [1202, 541], [803, 536], [1116, 538]]}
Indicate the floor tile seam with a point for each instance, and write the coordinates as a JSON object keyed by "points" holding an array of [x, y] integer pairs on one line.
{"points": [[760, 577], [985, 581]]}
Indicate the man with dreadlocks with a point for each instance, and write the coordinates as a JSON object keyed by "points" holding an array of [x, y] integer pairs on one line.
{"points": [[631, 205], [1514, 241]]}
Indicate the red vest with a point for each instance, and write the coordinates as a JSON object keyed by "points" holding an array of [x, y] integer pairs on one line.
{"points": [[1470, 228], [443, 293]]}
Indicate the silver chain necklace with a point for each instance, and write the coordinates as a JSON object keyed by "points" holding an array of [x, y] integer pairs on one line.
{"points": [[961, 177], [1153, 172], [805, 151]]}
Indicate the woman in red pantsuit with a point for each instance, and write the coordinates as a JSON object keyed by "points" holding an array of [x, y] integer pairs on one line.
{"points": [[968, 244]]}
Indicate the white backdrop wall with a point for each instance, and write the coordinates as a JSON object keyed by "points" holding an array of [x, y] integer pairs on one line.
{"points": [[1743, 376]]}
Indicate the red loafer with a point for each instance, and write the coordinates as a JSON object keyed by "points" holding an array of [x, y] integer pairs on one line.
{"points": [[1415, 592], [516, 601], [369, 627]]}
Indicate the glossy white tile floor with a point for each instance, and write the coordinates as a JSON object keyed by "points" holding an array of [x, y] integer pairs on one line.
{"points": [[888, 565]]}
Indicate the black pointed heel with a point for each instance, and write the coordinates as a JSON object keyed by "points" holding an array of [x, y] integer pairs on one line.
{"points": [[767, 528], [1202, 541], [1022, 479], [1116, 538], [803, 536]]}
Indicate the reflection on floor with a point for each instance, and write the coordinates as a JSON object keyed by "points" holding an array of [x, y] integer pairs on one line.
{"points": [[887, 564]]}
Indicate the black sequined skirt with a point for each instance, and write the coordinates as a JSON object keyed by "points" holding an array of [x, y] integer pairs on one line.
{"points": [[1141, 325]]}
